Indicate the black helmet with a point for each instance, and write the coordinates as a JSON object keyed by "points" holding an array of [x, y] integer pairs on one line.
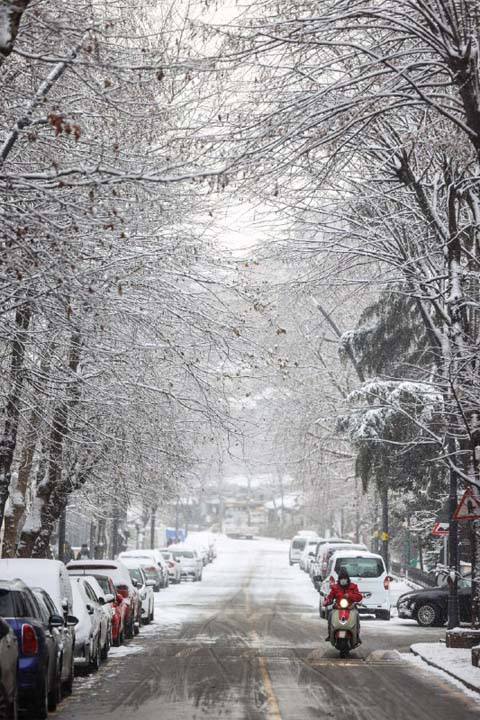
{"points": [[343, 577]]}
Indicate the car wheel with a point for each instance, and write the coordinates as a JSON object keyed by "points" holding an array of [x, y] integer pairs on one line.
{"points": [[383, 614], [152, 614], [96, 659], [55, 694], [429, 615], [129, 632], [136, 628], [68, 684], [106, 648]]}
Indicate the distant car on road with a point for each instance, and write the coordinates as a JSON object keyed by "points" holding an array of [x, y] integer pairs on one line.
{"points": [[297, 546], [144, 587], [429, 607], [174, 570], [8, 671], [309, 552], [318, 567], [191, 565], [155, 556]]}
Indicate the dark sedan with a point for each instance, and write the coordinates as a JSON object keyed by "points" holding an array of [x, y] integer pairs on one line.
{"points": [[429, 607]]}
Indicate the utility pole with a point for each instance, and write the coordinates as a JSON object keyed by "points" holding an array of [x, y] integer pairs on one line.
{"points": [[453, 610]]}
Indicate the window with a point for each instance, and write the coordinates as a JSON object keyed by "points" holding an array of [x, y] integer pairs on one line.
{"points": [[361, 567], [183, 553], [6, 604], [464, 583], [44, 616], [298, 544], [103, 582], [90, 592], [136, 574]]}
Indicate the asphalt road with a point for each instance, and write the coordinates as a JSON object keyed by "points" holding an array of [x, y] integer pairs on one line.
{"points": [[247, 644]]}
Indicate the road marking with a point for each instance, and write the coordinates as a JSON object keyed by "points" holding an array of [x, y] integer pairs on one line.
{"points": [[273, 708]]}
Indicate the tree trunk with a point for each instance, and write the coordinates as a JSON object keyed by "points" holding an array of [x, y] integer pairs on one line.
{"points": [[12, 407]]}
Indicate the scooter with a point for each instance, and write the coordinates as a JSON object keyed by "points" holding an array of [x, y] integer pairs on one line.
{"points": [[344, 627]]}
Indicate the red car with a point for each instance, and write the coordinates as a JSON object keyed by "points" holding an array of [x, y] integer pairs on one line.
{"points": [[118, 605], [129, 604]]}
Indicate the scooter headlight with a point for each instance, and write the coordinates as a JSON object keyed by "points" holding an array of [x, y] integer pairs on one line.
{"points": [[344, 603]]}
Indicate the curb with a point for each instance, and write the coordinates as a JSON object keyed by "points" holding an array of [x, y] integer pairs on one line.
{"points": [[474, 688]]}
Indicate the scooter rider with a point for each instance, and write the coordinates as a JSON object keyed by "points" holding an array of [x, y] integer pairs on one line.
{"points": [[344, 588]]}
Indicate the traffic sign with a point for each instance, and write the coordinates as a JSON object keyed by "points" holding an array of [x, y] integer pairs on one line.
{"points": [[468, 507], [441, 528]]}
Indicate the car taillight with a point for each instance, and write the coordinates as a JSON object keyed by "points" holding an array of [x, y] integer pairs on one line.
{"points": [[386, 583], [331, 580], [122, 590], [151, 568], [29, 640], [171, 564]]}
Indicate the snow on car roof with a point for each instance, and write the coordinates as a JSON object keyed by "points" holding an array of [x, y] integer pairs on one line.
{"points": [[355, 553], [114, 564]]}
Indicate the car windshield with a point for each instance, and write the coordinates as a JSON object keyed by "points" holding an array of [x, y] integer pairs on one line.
{"points": [[167, 555], [299, 544], [6, 604], [182, 553], [361, 567]]}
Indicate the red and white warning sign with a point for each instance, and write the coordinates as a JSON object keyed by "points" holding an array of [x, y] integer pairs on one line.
{"points": [[441, 528], [468, 507]]}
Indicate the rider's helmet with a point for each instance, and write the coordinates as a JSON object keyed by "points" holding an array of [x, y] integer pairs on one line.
{"points": [[343, 577]]}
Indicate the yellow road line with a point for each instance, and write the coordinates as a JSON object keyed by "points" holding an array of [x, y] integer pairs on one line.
{"points": [[273, 708]]}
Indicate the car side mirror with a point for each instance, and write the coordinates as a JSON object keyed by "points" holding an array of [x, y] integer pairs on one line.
{"points": [[71, 620], [101, 600], [109, 598], [90, 609], [56, 621], [135, 583]]}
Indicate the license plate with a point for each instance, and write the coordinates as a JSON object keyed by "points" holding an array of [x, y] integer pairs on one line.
{"points": [[342, 634]]}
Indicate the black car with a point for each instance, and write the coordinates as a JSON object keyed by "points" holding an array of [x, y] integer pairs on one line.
{"points": [[430, 606], [55, 646], [8, 671]]}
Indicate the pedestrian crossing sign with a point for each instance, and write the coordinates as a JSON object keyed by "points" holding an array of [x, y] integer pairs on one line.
{"points": [[468, 507]]}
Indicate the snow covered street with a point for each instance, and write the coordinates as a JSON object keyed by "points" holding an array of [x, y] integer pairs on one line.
{"points": [[247, 642]]}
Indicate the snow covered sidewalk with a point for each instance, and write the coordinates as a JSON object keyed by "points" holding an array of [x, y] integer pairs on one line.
{"points": [[454, 661]]}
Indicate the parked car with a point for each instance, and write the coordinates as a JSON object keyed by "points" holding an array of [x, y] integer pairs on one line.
{"points": [[8, 671], [117, 606], [144, 587], [325, 551], [155, 556], [368, 571], [430, 606], [51, 576], [308, 553], [118, 573], [54, 639], [173, 566], [297, 546], [88, 648], [19, 607], [315, 564], [191, 565], [103, 600]]}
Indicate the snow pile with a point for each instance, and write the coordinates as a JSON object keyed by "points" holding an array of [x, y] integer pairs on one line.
{"points": [[456, 662]]}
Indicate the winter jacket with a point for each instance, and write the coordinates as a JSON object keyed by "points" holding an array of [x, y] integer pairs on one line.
{"points": [[337, 593]]}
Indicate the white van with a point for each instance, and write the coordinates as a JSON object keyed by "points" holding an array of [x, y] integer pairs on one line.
{"points": [[297, 546], [368, 571]]}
